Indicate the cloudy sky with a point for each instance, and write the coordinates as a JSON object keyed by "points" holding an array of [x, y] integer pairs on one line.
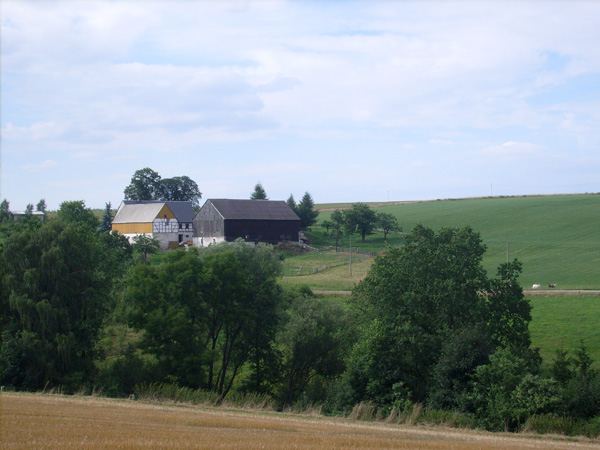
{"points": [[352, 101]]}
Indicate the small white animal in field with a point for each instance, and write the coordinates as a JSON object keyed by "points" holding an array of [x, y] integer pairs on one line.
{"points": [[536, 286]]}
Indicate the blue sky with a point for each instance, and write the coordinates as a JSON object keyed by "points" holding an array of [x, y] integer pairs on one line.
{"points": [[351, 101]]}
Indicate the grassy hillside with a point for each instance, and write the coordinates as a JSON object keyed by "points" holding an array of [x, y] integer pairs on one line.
{"points": [[556, 237], [563, 322]]}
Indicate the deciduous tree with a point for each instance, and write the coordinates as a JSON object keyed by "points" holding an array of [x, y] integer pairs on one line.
{"points": [[76, 212], [180, 189], [53, 302], [41, 206], [418, 297], [388, 223], [145, 185], [5, 214], [145, 246], [360, 218]]}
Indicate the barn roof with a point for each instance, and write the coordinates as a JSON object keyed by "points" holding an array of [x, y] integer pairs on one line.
{"points": [[254, 209], [138, 212], [183, 210]]}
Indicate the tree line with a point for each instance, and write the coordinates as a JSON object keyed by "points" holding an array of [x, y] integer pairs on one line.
{"points": [[427, 326]]}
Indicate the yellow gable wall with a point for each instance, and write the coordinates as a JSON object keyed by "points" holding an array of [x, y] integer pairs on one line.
{"points": [[166, 210], [139, 228], [132, 228]]}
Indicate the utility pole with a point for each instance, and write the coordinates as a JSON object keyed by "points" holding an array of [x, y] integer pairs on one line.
{"points": [[350, 256]]}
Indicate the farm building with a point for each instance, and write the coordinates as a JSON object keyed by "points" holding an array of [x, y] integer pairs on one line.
{"points": [[171, 223], [252, 220], [21, 214]]}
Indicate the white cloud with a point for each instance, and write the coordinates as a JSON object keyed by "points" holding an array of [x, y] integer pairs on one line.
{"points": [[510, 151], [47, 164], [168, 82]]}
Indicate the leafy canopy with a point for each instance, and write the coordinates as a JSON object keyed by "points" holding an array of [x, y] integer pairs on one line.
{"points": [[147, 184], [422, 295]]}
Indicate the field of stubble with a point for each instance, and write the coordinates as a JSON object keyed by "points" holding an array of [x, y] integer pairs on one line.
{"points": [[33, 421]]}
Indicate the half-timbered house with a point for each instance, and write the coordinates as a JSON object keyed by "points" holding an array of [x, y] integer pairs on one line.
{"points": [[171, 223]]}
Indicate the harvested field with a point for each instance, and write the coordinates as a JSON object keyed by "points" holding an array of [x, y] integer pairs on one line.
{"points": [[30, 421]]}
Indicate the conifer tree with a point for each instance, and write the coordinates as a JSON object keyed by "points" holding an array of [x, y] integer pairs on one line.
{"points": [[259, 193], [106, 224]]}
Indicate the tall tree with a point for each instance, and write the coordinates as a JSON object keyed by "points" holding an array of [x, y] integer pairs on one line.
{"points": [[180, 189], [416, 298], [206, 313], [145, 185], [29, 208], [106, 223], [388, 223], [314, 342], [53, 303], [338, 223], [292, 202], [41, 206], [5, 213], [306, 212], [361, 218], [259, 193]]}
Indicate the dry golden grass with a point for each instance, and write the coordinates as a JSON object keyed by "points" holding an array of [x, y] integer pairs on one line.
{"points": [[33, 421]]}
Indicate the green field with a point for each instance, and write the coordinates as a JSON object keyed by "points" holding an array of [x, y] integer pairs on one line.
{"points": [[557, 238], [563, 322]]}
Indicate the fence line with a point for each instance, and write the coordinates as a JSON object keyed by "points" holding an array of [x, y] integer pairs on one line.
{"points": [[311, 270], [355, 250]]}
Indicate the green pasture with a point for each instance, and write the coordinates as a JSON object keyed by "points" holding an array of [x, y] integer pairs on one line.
{"points": [[563, 322], [557, 238], [309, 263], [335, 279]]}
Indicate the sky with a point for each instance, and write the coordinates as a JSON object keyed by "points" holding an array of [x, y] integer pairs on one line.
{"points": [[350, 101]]}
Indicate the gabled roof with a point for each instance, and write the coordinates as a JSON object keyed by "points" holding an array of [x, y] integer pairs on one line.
{"points": [[182, 210], [138, 212], [253, 209]]}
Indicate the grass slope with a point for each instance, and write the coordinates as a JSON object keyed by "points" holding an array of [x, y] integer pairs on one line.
{"points": [[563, 322], [557, 238]]}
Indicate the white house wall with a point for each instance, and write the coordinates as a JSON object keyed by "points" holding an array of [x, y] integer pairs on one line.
{"points": [[206, 241]]}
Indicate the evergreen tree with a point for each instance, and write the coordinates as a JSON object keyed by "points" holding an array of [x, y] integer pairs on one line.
{"points": [[259, 193], [306, 212], [106, 223], [292, 203]]}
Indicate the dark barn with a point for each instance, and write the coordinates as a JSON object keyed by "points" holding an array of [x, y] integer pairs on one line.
{"points": [[252, 220]]}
